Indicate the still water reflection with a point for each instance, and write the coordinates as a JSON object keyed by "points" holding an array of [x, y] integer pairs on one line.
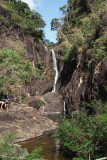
{"points": [[51, 147]]}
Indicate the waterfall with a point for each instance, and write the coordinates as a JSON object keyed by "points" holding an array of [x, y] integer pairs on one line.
{"points": [[55, 69], [64, 109]]}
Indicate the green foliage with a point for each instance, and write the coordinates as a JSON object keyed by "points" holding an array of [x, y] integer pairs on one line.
{"points": [[66, 51], [75, 9], [50, 44], [36, 154], [3, 19], [21, 7], [10, 64], [20, 99], [40, 103], [22, 16], [15, 69], [105, 87], [69, 53], [15, 20], [78, 159], [85, 134], [100, 48], [98, 3], [87, 26], [37, 18], [77, 38], [9, 56], [38, 122], [84, 25], [43, 77], [96, 106], [63, 9], [10, 151], [55, 23]]}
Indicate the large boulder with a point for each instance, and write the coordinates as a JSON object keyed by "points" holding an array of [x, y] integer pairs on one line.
{"points": [[23, 121]]}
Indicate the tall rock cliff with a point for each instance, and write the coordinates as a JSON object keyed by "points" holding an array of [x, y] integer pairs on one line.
{"points": [[84, 79], [32, 51], [82, 53]]}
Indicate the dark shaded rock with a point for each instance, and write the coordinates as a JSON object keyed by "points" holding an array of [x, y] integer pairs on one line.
{"points": [[35, 102], [40, 87], [85, 81]]}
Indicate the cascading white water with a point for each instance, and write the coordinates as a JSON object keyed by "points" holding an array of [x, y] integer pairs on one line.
{"points": [[64, 109], [55, 69]]}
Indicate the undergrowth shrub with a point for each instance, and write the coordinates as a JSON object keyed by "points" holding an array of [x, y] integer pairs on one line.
{"points": [[85, 135], [15, 69], [11, 151]]}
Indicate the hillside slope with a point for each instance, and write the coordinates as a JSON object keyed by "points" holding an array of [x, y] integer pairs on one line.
{"points": [[25, 62], [82, 52]]}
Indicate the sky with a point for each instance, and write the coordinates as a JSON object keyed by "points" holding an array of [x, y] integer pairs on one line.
{"points": [[49, 9]]}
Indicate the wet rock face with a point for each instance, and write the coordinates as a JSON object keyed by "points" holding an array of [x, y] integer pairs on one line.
{"points": [[83, 81]]}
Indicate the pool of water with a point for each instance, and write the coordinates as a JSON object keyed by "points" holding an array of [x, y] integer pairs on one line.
{"points": [[51, 147]]}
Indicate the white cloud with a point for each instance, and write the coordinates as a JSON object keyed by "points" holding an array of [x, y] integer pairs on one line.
{"points": [[34, 3], [39, 3], [31, 3]]}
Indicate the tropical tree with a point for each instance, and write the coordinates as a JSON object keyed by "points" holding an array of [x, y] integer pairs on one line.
{"points": [[55, 24], [37, 19], [21, 7]]}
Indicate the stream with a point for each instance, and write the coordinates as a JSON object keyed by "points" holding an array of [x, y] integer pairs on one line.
{"points": [[51, 147]]}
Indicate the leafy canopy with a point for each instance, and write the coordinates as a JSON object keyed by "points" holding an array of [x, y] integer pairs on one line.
{"points": [[25, 18], [83, 26]]}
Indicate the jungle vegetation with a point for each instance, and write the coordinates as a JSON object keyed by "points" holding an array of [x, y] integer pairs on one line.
{"points": [[30, 21], [14, 68], [83, 27], [84, 136]]}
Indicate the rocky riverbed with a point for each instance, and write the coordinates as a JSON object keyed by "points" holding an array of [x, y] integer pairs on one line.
{"points": [[30, 121]]}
